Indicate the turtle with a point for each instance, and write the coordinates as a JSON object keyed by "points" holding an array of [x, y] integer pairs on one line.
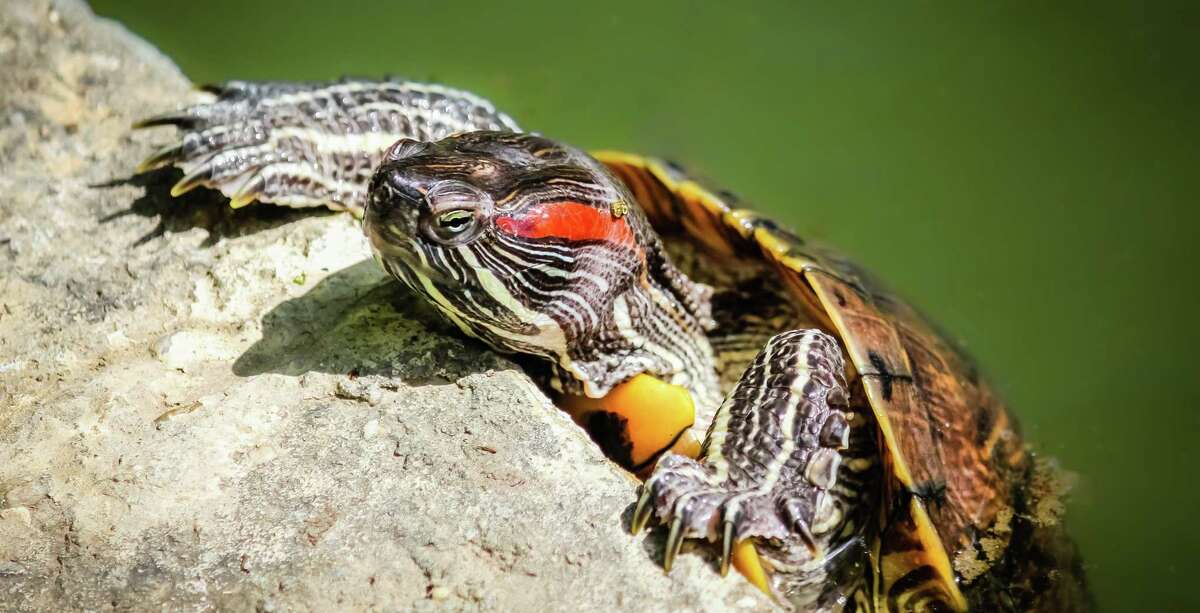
{"points": [[787, 413]]}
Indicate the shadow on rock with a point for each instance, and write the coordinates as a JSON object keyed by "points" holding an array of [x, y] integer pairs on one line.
{"points": [[358, 321], [199, 208]]}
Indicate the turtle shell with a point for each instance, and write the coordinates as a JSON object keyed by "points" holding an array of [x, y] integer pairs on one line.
{"points": [[960, 478]]}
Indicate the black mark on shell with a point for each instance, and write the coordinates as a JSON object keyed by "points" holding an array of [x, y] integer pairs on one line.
{"points": [[840, 297], [985, 420], [931, 492], [883, 373]]}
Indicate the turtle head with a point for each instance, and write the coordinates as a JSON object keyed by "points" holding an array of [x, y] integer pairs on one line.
{"points": [[517, 239], [533, 247], [436, 206]]}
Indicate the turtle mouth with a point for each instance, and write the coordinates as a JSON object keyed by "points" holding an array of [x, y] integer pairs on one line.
{"points": [[390, 242]]}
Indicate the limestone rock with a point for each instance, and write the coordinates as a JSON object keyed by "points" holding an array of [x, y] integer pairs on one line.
{"points": [[204, 408]]}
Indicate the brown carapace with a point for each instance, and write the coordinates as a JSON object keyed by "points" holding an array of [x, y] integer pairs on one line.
{"points": [[852, 458]]}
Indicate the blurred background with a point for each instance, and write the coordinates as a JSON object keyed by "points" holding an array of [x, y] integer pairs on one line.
{"points": [[1029, 175]]}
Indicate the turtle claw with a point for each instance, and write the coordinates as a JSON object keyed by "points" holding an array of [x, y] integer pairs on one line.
{"points": [[641, 512], [242, 200], [191, 181], [686, 495], [726, 547], [216, 89], [179, 119], [690, 497], [163, 157], [806, 536], [674, 544], [249, 190]]}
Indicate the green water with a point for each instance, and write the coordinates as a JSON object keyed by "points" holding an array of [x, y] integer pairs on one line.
{"points": [[1027, 175]]}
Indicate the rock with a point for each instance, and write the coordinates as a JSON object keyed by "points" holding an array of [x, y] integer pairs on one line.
{"points": [[206, 408], [186, 348]]}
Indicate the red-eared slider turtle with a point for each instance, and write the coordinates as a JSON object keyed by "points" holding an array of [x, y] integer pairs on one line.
{"points": [[851, 457]]}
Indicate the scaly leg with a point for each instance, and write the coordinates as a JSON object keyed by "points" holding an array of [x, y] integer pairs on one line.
{"points": [[780, 474], [309, 144]]}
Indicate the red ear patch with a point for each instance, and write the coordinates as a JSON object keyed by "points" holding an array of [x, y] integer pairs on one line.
{"points": [[572, 221]]}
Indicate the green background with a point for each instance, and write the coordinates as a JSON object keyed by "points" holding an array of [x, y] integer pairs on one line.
{"points": [[1028, 175]]}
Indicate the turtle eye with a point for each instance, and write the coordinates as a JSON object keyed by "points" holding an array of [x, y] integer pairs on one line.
{"points": [[453, 223], [456, 212], [453, 227]]}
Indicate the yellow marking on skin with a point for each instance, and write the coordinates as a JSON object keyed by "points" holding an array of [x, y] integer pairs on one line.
{"points": [[505, 200], [715, 455], [787, 423], [745, 559], [705, 402], [656, 413], [444, 305], [337, 143], [666, 303], [858, 465], [550, 335]]}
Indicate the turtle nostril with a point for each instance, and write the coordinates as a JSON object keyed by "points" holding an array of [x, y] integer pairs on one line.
{"points": [[392, 188], [393, 207]]}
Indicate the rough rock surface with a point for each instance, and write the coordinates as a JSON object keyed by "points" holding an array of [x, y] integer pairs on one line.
{"points": [[202, 408]]}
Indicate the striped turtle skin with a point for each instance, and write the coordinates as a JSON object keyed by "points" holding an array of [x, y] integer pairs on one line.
{"points": [[522, 243], [788, 462], [855, 452], [309, 144]]}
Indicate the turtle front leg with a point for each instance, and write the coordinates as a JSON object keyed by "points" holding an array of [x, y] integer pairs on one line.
{"points": [[309, 144], [774, 483]]}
